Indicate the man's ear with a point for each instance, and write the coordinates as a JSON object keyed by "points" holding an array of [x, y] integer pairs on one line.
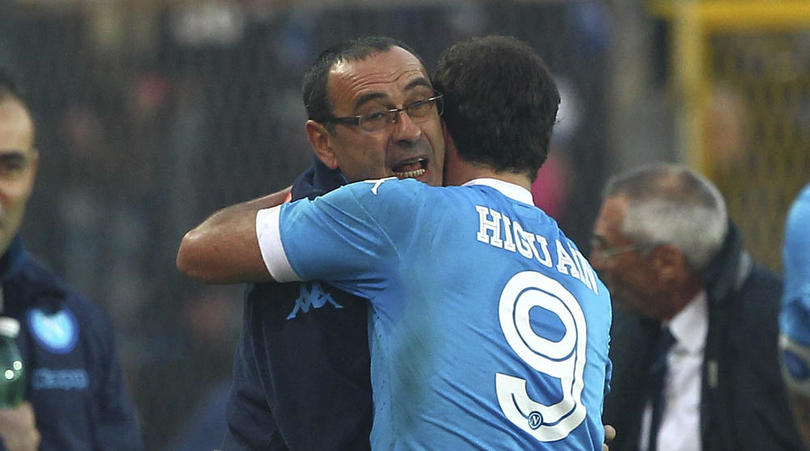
{"points": [[320, 140]]}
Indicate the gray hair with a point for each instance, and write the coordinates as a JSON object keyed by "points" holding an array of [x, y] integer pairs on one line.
{"points": [[670, 204]]}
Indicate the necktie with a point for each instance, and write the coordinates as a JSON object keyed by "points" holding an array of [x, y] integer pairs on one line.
{"points": [[656, 375]]}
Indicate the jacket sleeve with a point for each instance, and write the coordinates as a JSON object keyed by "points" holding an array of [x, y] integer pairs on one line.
{"points": [[116, 423]]}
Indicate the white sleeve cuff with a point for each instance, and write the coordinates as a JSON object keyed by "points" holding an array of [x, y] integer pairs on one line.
{"points": [[269, 235]]}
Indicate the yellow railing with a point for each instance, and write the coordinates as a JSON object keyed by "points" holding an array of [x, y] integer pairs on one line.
{"points": [[741, 76]]}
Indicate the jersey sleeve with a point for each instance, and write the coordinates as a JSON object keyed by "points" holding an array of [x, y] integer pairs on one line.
{"points": [[349, 237]]}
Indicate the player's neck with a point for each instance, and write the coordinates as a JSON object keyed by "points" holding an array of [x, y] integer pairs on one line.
{"points": [[458, 171], [462, 173]]}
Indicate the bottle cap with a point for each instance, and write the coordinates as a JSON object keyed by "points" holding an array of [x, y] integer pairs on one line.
{"points": [[9, 327]]}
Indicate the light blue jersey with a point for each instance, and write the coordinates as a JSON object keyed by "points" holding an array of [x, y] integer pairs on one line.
{"points": [[794, 320], [488, 327]]}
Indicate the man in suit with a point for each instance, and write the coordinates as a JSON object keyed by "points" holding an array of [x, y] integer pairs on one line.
{"points": [[695, 330]]}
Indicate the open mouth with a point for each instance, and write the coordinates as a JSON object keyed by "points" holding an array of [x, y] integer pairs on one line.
{"points": [[411, 169]]}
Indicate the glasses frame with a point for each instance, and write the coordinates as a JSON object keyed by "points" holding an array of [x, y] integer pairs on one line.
{"points": [[391, 113], [611, 252]]}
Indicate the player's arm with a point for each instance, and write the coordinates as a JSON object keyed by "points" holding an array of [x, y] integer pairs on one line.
{"points": [[224, 248]]}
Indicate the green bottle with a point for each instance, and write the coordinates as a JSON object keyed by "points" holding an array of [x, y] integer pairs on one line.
{"points": [[12, 375]]}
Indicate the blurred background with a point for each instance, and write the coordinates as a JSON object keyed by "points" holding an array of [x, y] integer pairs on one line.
{"points": [[152, 114]]}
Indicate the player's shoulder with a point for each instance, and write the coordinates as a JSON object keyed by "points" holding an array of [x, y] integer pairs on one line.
{"points": [[388, 189]]}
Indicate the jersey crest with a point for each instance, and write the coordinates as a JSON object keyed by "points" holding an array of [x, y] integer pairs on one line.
{"points": [[58, 332]]}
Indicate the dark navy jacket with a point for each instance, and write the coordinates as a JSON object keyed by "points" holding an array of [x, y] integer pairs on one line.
{"points": [[744, 405], [301, 369], [73, 376]]}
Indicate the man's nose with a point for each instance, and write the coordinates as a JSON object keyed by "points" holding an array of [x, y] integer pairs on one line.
{"points": [[405, 129]]}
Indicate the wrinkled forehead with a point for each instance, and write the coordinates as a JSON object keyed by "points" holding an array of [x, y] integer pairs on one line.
{"points": [[389, 74]]}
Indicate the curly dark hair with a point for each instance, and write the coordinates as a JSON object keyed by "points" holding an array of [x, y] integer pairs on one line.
{"points": [[500, 103], [315, 90]]}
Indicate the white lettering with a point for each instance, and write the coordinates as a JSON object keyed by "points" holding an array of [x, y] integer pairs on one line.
{"points": [[507, 224], [587, 275], [489, 225], [524, 245], [565, 264], [569, 260], [546, 260]]}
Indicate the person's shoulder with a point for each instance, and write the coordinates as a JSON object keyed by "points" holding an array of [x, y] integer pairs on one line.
{"points": [[390, 191], [45, 282], [765, 280], [798, 215], [758, 299]]}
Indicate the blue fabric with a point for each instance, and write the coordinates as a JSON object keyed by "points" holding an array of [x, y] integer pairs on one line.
{"points": [[301, 375], [474, 335], [75, 385], [794, 320]]}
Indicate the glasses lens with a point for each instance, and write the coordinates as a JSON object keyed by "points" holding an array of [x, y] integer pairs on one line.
{"points": [[421, 108], [376, 121]]}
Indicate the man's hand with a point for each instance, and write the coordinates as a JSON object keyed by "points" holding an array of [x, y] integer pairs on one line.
{"points": [[18, 428], [610, 434]]}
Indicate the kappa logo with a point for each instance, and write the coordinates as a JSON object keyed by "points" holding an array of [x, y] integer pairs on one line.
{"points": [[312, 296]]}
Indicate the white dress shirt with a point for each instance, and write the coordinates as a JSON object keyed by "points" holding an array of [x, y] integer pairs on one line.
{"points": [[680, 419]]}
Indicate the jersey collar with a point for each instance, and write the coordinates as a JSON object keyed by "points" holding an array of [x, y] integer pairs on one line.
{"points": [[510, 190]]}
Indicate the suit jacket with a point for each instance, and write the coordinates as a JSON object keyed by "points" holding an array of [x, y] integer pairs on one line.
{"points": [[74, 379], [743, 399]]}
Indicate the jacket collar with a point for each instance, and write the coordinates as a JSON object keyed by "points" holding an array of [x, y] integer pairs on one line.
{"points": [[12, 260], [729, 268], [316, 181], [32, 284]]}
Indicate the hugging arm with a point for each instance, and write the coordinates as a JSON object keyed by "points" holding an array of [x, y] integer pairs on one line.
{"points": [[224, 248]]}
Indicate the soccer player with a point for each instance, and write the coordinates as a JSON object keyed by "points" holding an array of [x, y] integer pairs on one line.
{"points": [[488, 327], [794, 321]]}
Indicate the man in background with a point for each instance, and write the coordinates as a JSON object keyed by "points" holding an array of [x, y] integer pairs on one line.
{"points": [[76, 399], [794, 321], [695, 328], [460, 355], [301, 369]]}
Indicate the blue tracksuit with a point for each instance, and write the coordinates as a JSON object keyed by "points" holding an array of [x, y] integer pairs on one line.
{"points": [[73, 375], [301, 369]]}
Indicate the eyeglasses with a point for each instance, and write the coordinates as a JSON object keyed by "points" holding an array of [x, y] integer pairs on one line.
{"points": [[604, 254], [378, 120]]}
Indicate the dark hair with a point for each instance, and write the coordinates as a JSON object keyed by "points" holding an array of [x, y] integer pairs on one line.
{"points": [[9, 89], [315, 91], [500, 103]]}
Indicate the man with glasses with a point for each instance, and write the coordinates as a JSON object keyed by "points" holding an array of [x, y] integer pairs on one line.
{"points": [[301, 369], [489, 329], [694, 335]]}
